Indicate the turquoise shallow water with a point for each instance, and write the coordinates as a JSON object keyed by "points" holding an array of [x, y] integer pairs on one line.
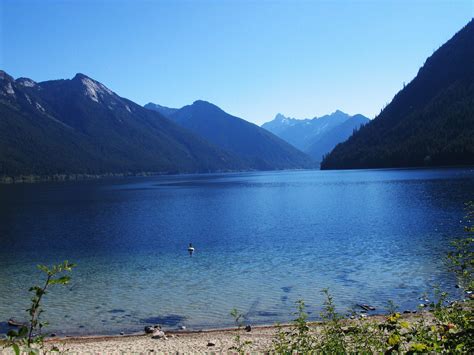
{"points": [[263, 240]]}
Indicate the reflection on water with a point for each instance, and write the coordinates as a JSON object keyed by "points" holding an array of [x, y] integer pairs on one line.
{"points": [[263, 241]]}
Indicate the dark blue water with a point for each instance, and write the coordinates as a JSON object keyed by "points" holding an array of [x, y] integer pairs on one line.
{"points": [[263, 241]]}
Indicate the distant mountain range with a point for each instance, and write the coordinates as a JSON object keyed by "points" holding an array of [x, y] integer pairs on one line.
{"points": [[79, 126], [430, 122], [317, 136], [256, 147]]}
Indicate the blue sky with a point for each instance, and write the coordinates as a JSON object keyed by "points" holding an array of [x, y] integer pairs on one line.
{"points": [[252, 58]]}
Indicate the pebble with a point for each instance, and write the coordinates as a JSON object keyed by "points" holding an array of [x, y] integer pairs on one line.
{"points": [[158, 334], [211, 343], [248, 328]]}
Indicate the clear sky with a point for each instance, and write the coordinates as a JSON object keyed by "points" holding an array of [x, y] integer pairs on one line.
{"points": [[252, 58]]}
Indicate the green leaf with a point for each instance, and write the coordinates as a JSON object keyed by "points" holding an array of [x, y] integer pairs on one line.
{"points": [[23, 331], [16, 349], [394, 339], [418, 347], [43, 268], [60, 281]]}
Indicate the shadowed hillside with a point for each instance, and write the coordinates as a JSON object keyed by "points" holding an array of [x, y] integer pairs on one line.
{"points": [[79, 126], [430, 122]]}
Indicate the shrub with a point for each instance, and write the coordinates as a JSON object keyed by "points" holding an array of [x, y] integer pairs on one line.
{"points": [[29, 338]]}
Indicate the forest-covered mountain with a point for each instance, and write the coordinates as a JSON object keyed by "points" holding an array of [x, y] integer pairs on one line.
{"points": [[316, 136], [256, 147], [430, 122], [79, 126]]}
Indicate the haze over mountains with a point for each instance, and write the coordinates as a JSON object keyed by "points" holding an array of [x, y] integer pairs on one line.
{"points": [[430, 122], [317, 136], [255, 146], [79, 126]]}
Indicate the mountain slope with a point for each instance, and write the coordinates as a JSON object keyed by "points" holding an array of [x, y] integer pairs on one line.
{"points": [[430, 122], [79, 126], [336, 135], [317, 136], [258, 148]]}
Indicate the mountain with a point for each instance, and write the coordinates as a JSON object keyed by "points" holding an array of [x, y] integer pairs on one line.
{"points": [[317, 136], [341, 132], [165, 111], [79, 126], [430, 122], [258, 148]]}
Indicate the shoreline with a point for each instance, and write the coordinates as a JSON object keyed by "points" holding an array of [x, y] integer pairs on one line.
{"points": [[35, 179], [216, 340]]}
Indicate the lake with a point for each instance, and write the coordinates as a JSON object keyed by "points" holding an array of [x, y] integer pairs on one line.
{"points": [[263, 240]]}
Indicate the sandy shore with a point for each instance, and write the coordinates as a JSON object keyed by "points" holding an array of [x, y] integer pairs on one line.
{"points": [[177, 342], [182, 342]]}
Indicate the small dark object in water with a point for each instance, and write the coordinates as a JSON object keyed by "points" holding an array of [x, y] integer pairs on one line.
{"points": [[13, 323], [182, 327], [190, 249], [406, 311], [116, 311], [52, 335], [248, 328], [122, 333], [457, 286], [366, 307]]}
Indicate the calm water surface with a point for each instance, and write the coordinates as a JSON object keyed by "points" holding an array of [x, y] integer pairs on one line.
{"points": [[263, 240]]}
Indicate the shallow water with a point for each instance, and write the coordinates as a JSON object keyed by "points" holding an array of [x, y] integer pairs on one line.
{"points": [[263, 240]]}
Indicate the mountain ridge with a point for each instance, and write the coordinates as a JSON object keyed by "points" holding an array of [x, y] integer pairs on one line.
{"points": [[255, 146], [79, 126], [305, 134]]}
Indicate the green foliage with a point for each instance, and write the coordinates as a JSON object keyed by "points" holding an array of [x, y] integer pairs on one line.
{"points": [[239, 345], [298, 339], [29, 338], [333, 339]]}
